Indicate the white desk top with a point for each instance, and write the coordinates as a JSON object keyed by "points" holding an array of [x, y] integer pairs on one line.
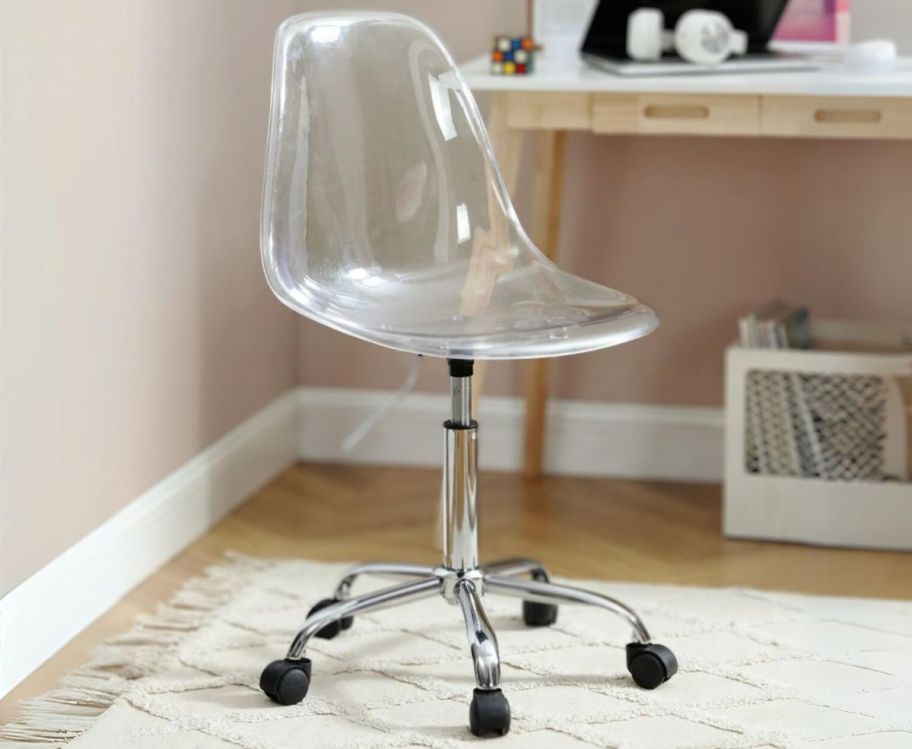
{"points": [[574, 75]]}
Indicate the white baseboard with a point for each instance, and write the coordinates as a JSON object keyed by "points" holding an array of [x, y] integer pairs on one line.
{"points": [[54, 605], [679, 443], [584, 438]]}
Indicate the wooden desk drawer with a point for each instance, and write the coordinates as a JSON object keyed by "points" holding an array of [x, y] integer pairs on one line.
{"points": [[836, 117], [676, 114], [548, 110]]}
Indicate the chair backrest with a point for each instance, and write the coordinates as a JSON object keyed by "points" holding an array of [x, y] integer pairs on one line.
{"points": [[382, 195]]}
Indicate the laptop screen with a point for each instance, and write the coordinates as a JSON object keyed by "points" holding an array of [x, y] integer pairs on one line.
{"points": [[607, 35]]}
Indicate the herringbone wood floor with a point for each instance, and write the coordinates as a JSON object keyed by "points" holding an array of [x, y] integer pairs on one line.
{"points": [[581, 527]]}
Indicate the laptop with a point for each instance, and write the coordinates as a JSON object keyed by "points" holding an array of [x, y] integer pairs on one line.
{"points": [[605, 44]]}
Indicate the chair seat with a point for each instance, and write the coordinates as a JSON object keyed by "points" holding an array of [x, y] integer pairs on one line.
{"points": [[536, 311], [385, 215]]}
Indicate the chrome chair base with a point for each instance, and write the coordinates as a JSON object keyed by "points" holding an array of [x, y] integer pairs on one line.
{"points": [[462, 580], [287, 681]]}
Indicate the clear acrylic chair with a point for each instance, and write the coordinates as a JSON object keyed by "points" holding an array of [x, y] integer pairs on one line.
{"points": [[385, 217]]}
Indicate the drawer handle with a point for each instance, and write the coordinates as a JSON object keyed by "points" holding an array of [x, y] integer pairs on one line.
{"points": [[848, 116], [676, 112]]}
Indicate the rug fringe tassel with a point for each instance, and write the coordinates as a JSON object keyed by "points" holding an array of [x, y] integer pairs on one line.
{"points": [[83, 695]]}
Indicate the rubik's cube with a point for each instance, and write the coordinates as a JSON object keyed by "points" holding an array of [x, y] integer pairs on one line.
{"points": [[512, 55]]}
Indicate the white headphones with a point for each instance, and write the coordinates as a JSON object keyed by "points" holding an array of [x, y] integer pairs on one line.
{"points": [[703, 37]]}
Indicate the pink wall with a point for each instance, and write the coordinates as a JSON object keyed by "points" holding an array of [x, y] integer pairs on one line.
{"points": [[136, 325], [704, 229]]}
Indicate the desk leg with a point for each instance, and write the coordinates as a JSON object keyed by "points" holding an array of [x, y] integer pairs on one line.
{"points": [[547, 184], [507, 144]]}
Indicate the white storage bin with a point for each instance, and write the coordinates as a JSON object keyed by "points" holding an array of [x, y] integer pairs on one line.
{"points": [[839, 474]]}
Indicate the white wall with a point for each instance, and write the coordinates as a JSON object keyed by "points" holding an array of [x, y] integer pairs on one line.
{"points": [[891, 19]]}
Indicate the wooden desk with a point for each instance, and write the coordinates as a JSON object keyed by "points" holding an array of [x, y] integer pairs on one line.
{"points": [[826, 103]]}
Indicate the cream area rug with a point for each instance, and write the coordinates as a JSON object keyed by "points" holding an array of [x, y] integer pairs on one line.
{"points": [[757, 669]]}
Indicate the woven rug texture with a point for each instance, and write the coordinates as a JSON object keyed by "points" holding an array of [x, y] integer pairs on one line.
{"points": [[757, 669]]}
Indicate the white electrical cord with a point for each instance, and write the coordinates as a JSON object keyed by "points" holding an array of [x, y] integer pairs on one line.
{"points": [[364, 428]]}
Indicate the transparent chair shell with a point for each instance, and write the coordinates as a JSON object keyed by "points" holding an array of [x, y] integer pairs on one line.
{"points": [[385, 215]]}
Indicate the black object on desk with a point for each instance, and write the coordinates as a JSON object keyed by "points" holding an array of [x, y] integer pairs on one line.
{"points": [[607, 34]]}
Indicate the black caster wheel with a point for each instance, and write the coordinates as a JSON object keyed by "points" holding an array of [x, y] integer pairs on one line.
{"points": [[286, 681], [489, 714], [650, 665], [539, 614], [333, 628]]}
